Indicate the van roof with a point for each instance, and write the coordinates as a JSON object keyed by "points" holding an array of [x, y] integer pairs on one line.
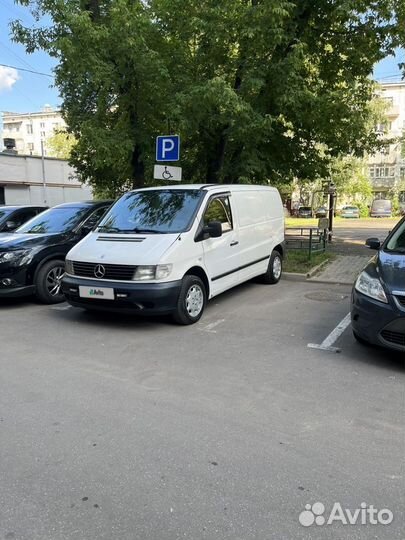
{"points": [[211, 187]]}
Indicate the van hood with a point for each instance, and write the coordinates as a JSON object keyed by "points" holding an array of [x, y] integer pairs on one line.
{"points": [[131, 249], [391, 268]]}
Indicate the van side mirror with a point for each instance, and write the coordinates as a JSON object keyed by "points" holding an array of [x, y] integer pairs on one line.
{"points": [[373, 243], [213, 229]]}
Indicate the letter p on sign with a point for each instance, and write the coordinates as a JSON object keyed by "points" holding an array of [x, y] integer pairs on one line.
{"points": [[168, 148]]}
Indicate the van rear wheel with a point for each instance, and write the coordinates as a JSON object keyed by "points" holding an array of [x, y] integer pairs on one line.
{"points": [[191, 302], [274, 269]]}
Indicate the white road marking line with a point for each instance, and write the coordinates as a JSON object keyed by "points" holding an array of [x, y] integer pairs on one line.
{"points": [[327, 343], [210, 327], [61, 308]]}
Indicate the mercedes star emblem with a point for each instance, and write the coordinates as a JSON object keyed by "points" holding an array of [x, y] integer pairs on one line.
{"points": [[99, 271]]}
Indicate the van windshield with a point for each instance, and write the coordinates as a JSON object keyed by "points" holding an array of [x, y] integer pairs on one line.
{"points": [[397, 241], [158, 211]]}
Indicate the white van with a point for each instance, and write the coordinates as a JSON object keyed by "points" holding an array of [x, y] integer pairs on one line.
{"points": [[170, 249]]}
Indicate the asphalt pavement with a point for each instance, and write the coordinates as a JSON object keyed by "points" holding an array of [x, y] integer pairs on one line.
{"points": [[117, 427]]}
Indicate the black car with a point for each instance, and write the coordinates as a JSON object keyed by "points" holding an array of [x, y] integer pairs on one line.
{"points": [[12, 217], [378, 298], [32, 259]]}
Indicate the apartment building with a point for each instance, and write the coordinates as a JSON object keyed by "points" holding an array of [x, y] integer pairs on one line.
{"points": [[28, 129], [387, 168]]}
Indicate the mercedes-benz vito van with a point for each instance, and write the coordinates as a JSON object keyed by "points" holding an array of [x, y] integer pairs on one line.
{"points": [[170, 249]]}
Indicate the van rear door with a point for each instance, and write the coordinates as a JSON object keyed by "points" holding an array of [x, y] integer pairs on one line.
{"points": [[221, 255]]}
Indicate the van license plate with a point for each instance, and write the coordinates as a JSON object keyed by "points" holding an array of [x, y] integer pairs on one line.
{"points": [[98, 293]]}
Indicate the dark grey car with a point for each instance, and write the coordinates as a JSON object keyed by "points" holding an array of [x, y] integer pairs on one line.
{"points": [[378, 298]]}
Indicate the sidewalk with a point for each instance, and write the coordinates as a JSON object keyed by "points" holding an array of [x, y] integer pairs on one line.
{"points": [[343, 270]]}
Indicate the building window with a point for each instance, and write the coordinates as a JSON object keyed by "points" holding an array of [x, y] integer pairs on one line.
{"points": [[31, 147], [384, 172], [371, 171], [29, 129], [43, 134], [42, 125]]}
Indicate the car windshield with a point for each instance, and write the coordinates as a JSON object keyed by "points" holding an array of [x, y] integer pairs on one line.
{"points": [[154, 211], [4, 212], [305, 208], [55, 220], [382, 205], [397, 241], [351, 208]]}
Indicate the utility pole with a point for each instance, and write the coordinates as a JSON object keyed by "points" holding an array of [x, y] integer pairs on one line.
{"points": [[332, 197], [43, 173]]}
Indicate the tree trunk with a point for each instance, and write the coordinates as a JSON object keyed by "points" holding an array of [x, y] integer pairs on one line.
{"points": [[138, 168]]}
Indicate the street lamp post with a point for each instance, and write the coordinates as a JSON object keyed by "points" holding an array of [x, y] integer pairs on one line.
{"points": [[43, 173]]}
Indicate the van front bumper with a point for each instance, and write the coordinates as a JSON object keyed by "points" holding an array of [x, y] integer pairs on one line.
{"points": [[145, 298]]}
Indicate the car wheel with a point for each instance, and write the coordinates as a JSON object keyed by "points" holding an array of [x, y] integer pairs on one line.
{"points": [[48, 282], [274, 269], [191, 302], [360, 339]]}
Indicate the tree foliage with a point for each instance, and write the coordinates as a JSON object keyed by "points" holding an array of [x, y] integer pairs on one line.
{"points": [[60, 144], [257, 89]]}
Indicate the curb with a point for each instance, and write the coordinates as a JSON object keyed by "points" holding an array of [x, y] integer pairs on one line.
{"points": [[330, 282], [295, 276]]}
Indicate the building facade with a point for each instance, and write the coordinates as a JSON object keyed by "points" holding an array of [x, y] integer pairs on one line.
{"points": [[31, 180], [28, 129], [387, 168]]}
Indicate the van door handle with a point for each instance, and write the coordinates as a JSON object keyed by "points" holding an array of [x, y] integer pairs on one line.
{"points": [[234, 243]]}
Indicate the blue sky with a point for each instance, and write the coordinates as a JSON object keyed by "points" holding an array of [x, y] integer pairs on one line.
{"points": [[30, 92]]}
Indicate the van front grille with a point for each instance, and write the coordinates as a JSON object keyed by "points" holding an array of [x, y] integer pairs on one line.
{"points": [[116, 272]]}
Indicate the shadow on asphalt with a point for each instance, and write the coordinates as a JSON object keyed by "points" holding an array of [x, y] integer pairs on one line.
{"points": [[374, 355]]}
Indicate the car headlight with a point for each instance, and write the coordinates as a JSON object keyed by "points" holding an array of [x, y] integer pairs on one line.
{"points": [[147, 273], [17, 257], [371, 287]]}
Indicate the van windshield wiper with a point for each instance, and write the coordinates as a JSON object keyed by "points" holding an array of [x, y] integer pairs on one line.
{"points": [[104, 228], [150, 231]]}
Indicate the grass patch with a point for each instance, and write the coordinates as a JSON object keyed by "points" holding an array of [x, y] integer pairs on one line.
{"points": [[297, 261]]}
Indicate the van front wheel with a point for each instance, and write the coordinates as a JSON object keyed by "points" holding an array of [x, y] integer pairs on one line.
{"points": [[191, 301], [274, 269]]}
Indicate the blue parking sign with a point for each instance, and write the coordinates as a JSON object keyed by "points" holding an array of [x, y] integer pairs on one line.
{"points": [[168, 148]]}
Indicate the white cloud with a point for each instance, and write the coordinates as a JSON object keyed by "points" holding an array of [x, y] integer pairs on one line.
{"points": [[8, 77]]}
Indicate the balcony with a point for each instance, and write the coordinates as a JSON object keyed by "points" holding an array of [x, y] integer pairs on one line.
{"points": [[393, 112]]}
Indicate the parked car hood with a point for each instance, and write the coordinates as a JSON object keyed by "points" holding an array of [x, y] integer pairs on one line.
{"points": [[123, 249], [391, 268], [27, 241]]}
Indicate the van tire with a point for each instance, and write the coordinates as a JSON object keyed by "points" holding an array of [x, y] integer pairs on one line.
{"points": [[274, 269], [192, 298], [43, 282]]}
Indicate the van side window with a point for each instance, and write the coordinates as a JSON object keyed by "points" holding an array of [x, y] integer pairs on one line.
{"points": [[219, 209]]}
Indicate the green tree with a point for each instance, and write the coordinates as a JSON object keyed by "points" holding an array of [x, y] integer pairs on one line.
{"points": [[60, 144], [257, 89]]}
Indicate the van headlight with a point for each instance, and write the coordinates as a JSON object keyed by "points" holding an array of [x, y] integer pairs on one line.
{"points": [[371, 287], [147, 273], [69, 267]]}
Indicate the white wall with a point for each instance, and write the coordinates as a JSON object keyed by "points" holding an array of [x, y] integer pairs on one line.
{"points": [[21, 177]]}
